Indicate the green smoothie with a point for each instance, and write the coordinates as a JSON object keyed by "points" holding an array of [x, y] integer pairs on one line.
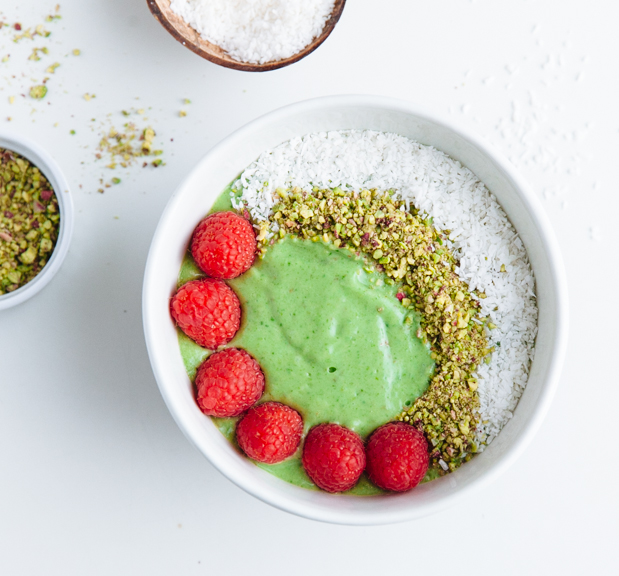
{"points": [[331, 337]]}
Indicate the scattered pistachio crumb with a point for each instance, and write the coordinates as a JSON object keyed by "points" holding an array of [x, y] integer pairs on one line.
{"points": [[38, 92], [52, 69], [182, 113], [76, 52], [29, 33], [115, 180], [35, 54], [122, 147], [88, 96]]}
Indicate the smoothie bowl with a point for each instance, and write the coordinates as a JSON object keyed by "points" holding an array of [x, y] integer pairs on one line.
{"points": [[405, 277]]}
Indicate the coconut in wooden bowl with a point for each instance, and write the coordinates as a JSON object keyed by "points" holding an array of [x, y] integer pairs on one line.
{"points": [[254, 36]]}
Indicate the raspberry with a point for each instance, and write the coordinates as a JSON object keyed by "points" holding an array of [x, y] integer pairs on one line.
{"points": [[208, 311], [333, 457], [397, 457], [270, 432], [228, 383], [224, 245]]}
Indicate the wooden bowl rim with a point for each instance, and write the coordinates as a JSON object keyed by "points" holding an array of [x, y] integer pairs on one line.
{"points": [[338, 8]]}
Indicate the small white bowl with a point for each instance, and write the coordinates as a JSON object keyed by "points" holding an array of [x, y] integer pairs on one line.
{"points": [[219, 167], [47, 165]]}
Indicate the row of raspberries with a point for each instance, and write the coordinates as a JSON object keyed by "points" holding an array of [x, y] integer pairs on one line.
{"points": [[395, 456], [230, 382]]}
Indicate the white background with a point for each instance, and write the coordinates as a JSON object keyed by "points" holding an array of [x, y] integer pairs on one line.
{"points": [[95, 477]]}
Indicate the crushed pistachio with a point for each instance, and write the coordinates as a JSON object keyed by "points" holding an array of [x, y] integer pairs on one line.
{"points": [[38, 92], [76, 52], [29, 33], [52, 17], [123, 148], [29, 221], [52, 69], [35, 55], [413, 254], [88, 96], [182, 113]]}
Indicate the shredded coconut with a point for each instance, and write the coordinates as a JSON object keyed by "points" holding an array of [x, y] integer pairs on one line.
{"points": [[256, 31], [492, 257]]}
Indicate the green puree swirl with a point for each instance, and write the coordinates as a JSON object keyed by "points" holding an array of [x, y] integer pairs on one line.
{"points": [[332, 339]]}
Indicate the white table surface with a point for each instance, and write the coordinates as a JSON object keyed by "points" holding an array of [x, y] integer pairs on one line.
{"points": [[95, 477]]}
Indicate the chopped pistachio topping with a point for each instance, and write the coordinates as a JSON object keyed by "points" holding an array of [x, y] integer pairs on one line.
{"points": [[29, 221], [413, 254]]}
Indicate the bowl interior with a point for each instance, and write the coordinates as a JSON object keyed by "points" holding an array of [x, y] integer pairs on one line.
{"points": [[51, 171], [192, 201], [188, 37]]}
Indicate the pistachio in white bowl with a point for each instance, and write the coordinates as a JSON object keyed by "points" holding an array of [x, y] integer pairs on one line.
{"points": [[36, 223]]}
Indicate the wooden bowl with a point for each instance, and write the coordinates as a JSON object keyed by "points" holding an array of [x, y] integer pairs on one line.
{"points": [[188, 37]]}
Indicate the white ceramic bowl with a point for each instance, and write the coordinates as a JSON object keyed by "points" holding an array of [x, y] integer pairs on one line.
{"points": [[47, 165], [219, 167]]}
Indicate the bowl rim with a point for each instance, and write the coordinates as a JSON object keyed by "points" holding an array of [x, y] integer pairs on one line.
{"points": [[328, 28], [40, 158], [559, 341]]}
